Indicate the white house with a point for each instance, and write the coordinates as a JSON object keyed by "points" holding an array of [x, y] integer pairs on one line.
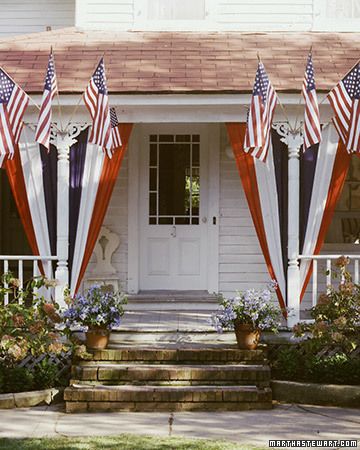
{"points": [[181, 74]]}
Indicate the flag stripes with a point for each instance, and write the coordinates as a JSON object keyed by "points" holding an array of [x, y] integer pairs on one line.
{"points": [[312, 129], [115, 128], [43, 129], [13, 103], [344, 99], [97, 102], [260, 116]]}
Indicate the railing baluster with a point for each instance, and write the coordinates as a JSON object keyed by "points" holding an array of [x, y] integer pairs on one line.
{"points": [[356, 271], [35, 274], [21, 276], [328, 274], [315, 282], [49, 269], [6, 269]]}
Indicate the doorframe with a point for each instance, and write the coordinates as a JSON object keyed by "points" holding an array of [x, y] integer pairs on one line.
{"points": [[138, 139]]}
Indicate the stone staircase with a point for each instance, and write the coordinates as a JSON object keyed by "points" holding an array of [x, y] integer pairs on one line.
{"points": [[197, 377]]}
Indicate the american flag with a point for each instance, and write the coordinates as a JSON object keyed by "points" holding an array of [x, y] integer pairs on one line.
{"points": [[13, 103], [312, 130], [344, 99], [97, 102], [260, 116], [115, 129], [43, 128]]}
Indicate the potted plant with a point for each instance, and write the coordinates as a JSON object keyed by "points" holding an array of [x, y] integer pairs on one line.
{"points": [[248, 313], [96, 312]]}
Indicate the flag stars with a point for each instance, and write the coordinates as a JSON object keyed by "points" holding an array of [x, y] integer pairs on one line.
{"points": [[99, 78], [6, 87], [261, 83]]}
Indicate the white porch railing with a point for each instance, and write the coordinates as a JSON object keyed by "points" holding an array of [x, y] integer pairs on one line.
{"points": [[328, 270], [45, 260]]}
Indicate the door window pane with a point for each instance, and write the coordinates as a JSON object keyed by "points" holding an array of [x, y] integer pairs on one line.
{"points": [[174, 179]]}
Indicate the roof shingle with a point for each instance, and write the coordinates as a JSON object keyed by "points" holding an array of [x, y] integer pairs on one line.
{"points": [[162, 62]]}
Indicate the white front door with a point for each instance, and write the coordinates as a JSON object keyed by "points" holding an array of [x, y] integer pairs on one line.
{"points": [[173, 208]]}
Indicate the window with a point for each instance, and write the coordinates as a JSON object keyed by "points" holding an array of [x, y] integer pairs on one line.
{"points": [[174, 179], [176, 10], [336, 15], [184, 15], [345, 226]]}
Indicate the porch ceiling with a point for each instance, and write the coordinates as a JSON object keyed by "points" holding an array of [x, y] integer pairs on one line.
{"points": [[178, 62]]}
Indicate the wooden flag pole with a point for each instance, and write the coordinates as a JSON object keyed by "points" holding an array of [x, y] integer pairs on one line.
{"points": [[78, 103]]}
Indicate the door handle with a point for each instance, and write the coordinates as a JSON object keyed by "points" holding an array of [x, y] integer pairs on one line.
{"points": [[173, 233]]}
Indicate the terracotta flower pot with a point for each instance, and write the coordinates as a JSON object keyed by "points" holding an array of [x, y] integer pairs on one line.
{"points": [[247, 338], [97, 338]]}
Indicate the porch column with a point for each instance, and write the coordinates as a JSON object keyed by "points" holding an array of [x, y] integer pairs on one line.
{"points": [[63, 144], [294, 142]]}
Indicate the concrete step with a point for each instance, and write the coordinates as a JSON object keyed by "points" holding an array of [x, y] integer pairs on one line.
{"points": [[173, 374], [172, 300], [183, 355], [174, 337], [166, 398]]}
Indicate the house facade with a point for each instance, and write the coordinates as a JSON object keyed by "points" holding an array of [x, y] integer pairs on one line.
{"points": [[178, 217]]}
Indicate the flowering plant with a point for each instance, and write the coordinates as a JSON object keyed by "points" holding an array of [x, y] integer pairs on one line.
{"points": [[28, 324], [99, 307], [252, 307], [336, 315]]}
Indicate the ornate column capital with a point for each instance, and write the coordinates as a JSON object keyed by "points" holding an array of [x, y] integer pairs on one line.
{"points": [[293, 139]]}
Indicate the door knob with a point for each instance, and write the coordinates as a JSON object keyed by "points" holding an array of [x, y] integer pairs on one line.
{"points": [[204, 220], [173, 233]]}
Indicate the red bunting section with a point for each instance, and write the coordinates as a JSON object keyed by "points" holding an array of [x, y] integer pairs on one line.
{"points": [[246, 168], [107, 181]]}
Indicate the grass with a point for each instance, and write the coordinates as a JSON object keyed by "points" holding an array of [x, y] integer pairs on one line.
{"points": [[122, 442]]}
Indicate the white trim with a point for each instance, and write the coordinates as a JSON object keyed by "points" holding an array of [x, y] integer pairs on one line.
{"points": [[157, 99], [213, 208], [133, 211]]}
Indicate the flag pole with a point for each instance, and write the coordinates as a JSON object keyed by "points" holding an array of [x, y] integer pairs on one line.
{"points": [[281, 105], [300, 98], [57, 91], [78, 103]]}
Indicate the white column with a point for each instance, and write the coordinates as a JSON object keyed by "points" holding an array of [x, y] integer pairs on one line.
{"points": [[63, 144], [294, 142]]}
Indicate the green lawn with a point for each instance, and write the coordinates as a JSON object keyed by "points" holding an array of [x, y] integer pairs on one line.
{"points": [[122, 442]]}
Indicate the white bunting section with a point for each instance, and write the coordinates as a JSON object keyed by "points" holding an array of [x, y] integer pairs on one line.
{"points": [[322, 178], [265, 174], [92, 172], [32, 170]]}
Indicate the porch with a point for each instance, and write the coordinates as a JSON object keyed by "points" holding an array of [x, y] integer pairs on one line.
{"points": [[193, 99]]}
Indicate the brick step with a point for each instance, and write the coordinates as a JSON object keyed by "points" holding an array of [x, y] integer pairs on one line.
{"points": [[201, 355], [190, 374], [166, 398]]}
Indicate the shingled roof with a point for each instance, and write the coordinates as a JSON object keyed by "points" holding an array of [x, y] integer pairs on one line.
{"points": [[178, 62]]}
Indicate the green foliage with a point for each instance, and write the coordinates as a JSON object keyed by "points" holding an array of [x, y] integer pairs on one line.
{"points": [[336, 316], [28, 326], [123, 442], [294, 364], [325, 353], [15, 379]]}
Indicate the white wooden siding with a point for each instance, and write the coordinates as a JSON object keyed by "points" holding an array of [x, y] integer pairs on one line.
{"points": [[116, 220], [29, 16], [105, 14], [261, 15], [241, 264]]}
